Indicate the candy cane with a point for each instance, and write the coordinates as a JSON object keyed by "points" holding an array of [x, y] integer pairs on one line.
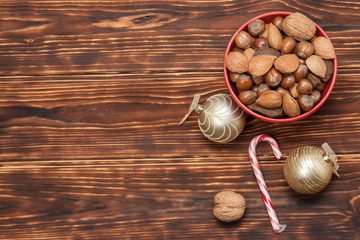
{"points": [[277, 228]]}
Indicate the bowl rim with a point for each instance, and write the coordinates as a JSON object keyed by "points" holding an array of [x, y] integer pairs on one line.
{"points": [[325, 93]]}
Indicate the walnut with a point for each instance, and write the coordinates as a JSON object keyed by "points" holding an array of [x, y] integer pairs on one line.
{"points": [[229, 206], [299, 26]]}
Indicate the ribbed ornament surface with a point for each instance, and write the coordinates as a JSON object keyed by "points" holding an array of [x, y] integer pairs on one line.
{"points": [[307, 170], [221, 119]]}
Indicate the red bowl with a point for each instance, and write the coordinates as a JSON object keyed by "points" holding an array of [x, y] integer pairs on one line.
{"points": [[268, 17]]}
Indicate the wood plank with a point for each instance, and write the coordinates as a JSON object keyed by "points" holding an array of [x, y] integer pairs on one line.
{"points": [[158, 200], [109, 116], [52, 37], [90, 99]]}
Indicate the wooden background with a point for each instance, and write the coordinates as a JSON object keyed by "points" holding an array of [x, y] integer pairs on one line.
{"points": [[90, 99]]}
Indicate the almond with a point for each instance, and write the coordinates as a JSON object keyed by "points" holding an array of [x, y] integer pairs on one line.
{"points": [[290, 106], [270, 99], [316, 65], [287, 63], [265, 33], [274, 37], [261, 64], [236, 62], [249, 52], [324, 48], [299, 26]]}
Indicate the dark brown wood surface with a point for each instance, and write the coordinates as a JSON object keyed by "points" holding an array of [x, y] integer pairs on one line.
{"points": [[91, 93]]}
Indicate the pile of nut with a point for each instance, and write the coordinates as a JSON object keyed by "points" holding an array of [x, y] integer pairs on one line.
{"points": [[281, 67]]}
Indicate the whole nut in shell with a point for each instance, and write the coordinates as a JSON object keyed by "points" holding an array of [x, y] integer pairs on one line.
{"points": [[244, 82], [324, 48], [236, 62], [243, 40], [277, 21], [288, 81], [304, 49], [287, 63], [306, 102], [273, 78], [247, 97], [288, 45], [316, 65], [256, 27], [274, 37], [304, 87], [229, 206], [249, 53], [299, 26], [301, 72], [290, 106], [261, 64], [270, 99]]}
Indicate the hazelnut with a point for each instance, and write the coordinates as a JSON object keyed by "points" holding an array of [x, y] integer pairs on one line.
{"points": [[315, 95], [301, 72], [288, 45], [229, 206], [306, 102], [243, 40], [288, 81], [273, 78], [247, 97], [277, 21], [256, 27], [321, 87], [304, 87], [258, 79], [254, 88], [233, 76], [266, 31], [293, 91], [260, 43], [236, 49], [262, 88], [244, 82], [282, 91], [304, 49]]}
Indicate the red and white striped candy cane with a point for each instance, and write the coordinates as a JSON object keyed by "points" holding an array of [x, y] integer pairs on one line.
{"points": [[277, 227]]}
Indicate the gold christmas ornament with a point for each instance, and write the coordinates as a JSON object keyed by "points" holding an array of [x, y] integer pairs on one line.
{"points": [[308, 169], [220, 118]]}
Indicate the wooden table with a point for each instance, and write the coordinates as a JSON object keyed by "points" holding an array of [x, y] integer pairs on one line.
{"points": [[90, 148]]}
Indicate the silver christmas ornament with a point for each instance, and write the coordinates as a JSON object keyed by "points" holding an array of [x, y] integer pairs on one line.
{"points": [[308, 169], [220, 118]]}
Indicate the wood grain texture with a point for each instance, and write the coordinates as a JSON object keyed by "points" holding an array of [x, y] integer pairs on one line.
{"points": [[46, 37], [91, 93]]}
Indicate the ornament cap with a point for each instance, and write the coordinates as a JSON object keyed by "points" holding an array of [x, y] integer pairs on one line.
{"points": [[194, 106], [332, 156]]}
